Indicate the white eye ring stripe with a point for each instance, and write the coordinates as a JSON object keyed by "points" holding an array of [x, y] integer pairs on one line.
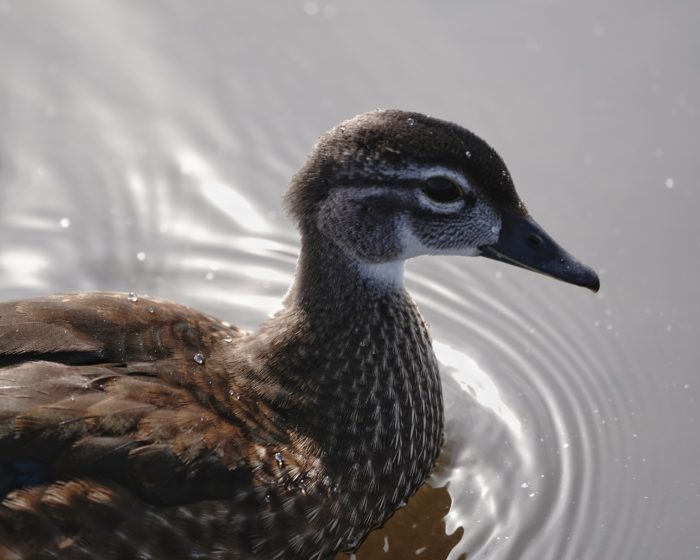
{"points": [[443, 207], [458, 178], [411, 173], [417, 174]]}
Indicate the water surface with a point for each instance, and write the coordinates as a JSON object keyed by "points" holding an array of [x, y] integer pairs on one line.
{"points": [[145, 147]]}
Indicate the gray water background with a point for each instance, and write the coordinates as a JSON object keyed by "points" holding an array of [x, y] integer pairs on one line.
{"points": [[145, 147]]}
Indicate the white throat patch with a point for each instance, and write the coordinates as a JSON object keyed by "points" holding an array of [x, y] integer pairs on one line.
{"points": [[387, 274]]}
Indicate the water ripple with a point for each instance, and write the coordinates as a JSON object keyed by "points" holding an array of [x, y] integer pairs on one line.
{"points": [[112, 182], [525, 440]]}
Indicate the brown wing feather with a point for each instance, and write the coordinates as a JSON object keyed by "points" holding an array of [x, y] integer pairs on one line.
{"points": [[132, 436], [98, 386], [105, 327]]}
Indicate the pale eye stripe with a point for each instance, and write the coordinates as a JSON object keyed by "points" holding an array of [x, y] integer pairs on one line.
{"points": [[409, 173], [365, 192], [418, 173]]}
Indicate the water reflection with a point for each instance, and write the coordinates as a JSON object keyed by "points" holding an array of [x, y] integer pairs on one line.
{"points": [[224, 197], [477, 384], [23, 268]]}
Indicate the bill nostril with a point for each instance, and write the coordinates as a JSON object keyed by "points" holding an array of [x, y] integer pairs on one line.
{"points": [[534, 241]]}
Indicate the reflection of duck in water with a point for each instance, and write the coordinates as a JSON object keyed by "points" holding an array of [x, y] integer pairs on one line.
{"points": [[137, 428]]}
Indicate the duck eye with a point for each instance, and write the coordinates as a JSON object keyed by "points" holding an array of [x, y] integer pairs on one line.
{"points": [[442, 189]]}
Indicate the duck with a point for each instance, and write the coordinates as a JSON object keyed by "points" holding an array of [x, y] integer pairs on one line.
{"points": [[133, 427]]}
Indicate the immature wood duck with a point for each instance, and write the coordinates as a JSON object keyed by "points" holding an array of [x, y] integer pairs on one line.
{"points": [[132, 427]]}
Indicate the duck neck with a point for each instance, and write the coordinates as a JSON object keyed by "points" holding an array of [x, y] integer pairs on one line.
{"points": [[350, 359], [326, 274]]}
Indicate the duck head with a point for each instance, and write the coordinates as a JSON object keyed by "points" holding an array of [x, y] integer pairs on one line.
{"points": [[389, 185]]}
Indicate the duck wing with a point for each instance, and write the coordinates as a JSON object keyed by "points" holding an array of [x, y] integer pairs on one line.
{"points": [[99, 386], [120, 423]]}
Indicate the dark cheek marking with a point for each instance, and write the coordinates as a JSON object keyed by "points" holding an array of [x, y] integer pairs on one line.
{"points": [[365, 227]]}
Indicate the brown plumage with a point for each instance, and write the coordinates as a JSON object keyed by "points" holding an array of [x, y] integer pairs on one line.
{"points": [[131, 427]]}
